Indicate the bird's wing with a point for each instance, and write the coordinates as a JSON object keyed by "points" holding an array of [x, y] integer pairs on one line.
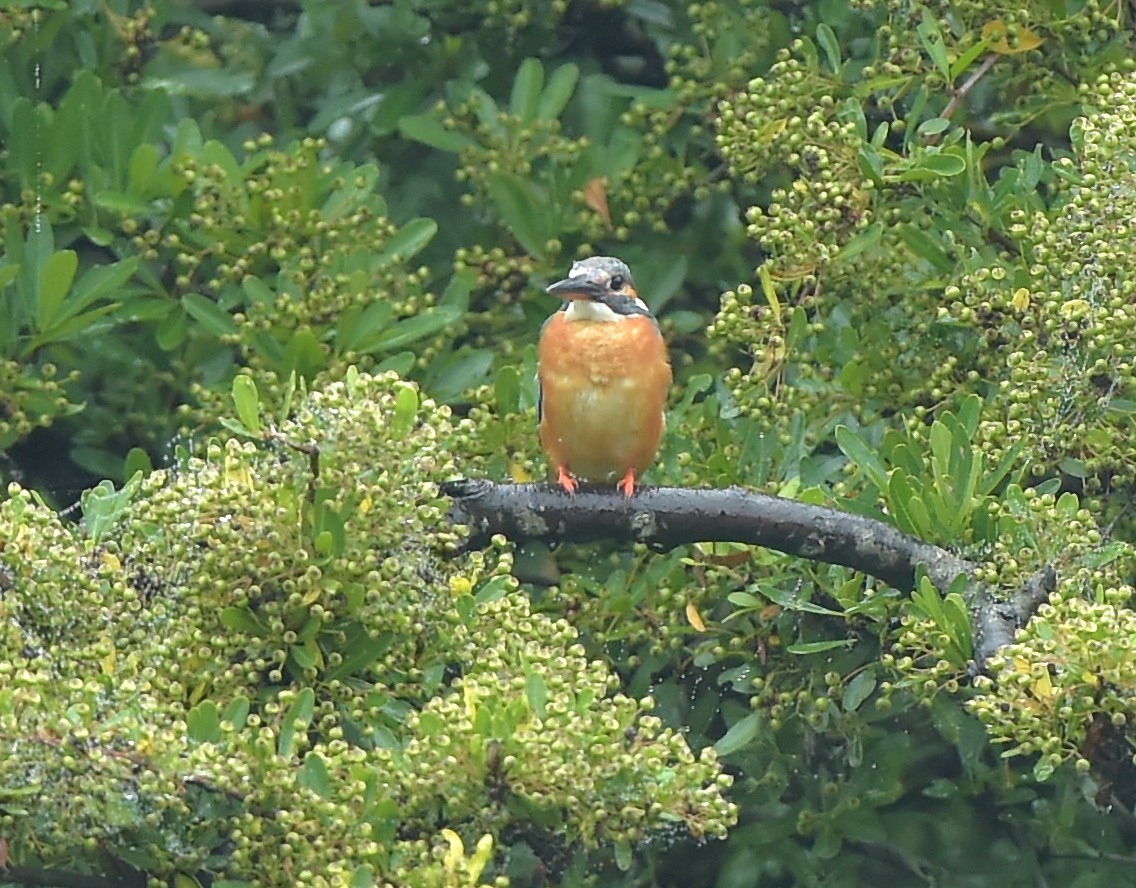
{"points": [[539, 388]]}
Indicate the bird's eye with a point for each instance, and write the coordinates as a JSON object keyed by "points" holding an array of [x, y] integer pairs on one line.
{"points": [[617, 282]]}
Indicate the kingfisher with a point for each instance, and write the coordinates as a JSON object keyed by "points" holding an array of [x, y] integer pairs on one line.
{"points": [[604, 374]]}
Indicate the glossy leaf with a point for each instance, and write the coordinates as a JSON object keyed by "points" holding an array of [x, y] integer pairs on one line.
{"points": [[55, 279], [412, 329], [740, 734], [430, 131], [527, 86], [247, 402], [558, 92]]}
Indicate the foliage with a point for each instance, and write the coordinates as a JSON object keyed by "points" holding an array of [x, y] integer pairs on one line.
{"points": [[888, 243], [225, 658]]}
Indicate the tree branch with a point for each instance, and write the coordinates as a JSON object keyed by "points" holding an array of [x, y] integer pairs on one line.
{"points": [[666, 517]]}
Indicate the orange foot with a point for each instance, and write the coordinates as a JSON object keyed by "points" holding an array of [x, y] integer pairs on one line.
{"points": [[565, 480], [627, 485]]}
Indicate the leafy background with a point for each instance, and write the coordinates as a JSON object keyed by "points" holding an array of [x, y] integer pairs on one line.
{"points": [[889, 244]]}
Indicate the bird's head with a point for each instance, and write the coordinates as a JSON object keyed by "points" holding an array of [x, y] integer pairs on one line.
{"points": [[599, 288]]}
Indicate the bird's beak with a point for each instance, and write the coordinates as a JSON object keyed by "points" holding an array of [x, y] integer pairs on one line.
{"points": [[577, 288]]}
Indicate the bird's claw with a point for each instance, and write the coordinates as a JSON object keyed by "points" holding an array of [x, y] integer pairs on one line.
{"points": [[565, 480]]}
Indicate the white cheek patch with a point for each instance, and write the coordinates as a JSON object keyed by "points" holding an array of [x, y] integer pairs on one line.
{"points": [[586, 310]]}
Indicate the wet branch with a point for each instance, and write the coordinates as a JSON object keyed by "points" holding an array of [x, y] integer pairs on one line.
{"points": [[666, 517]]}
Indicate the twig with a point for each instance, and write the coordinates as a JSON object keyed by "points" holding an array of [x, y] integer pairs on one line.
{"points": [[960, 94]]}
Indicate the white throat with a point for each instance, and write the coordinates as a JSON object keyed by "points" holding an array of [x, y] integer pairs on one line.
{"points": [[586, 310]]}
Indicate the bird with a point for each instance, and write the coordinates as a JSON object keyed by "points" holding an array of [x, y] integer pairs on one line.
{"points": [[603, 375]]}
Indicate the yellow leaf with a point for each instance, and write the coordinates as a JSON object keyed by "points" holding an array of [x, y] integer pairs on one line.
{"points": [[1021, 299], [460, 586], [595, 196], [110, 660], [456, 852], [111, 561], [312, 596], [1043, 685], [1074, 307], [236, 472], [518, 473], [997, 37], [480, 858], [766, 134], [770, 291], [694, 617]]}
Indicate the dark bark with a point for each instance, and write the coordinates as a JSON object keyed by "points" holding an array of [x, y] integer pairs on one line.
{"points": [[666, 517]]}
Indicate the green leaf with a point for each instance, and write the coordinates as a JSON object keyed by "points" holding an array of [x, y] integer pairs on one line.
{"points": [[858, 690], [925, 247], [856, 449], [452, 374], [940, 448], [241, 619], [137, 460], [933, 126], [103, 506], [927, 166], [55, 279], [537, 693], [314, 775], [788, 600], [744, 599], [867, 238], [297, 718], [237, 712], [414, 328], [362, 877], [911, 515], [522, 210], [456, 294], [819, 647], [208, 314], [142, 170], [507, 391], [527, 86], [623, 856], [557, 93], [932, 39], [357, 189], [958, 625], [247, 402], [871, 162], [968, 415], [100, 282], [362, 649], [405, 409], [968, 57], [8, 273], [826, 38], [407, 242], [304, 355], [356, 329], [203, 723], [430, 131], [740, 734]]}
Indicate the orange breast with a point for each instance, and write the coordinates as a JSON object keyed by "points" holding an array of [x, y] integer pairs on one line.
{"points": [[603, 388]]}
